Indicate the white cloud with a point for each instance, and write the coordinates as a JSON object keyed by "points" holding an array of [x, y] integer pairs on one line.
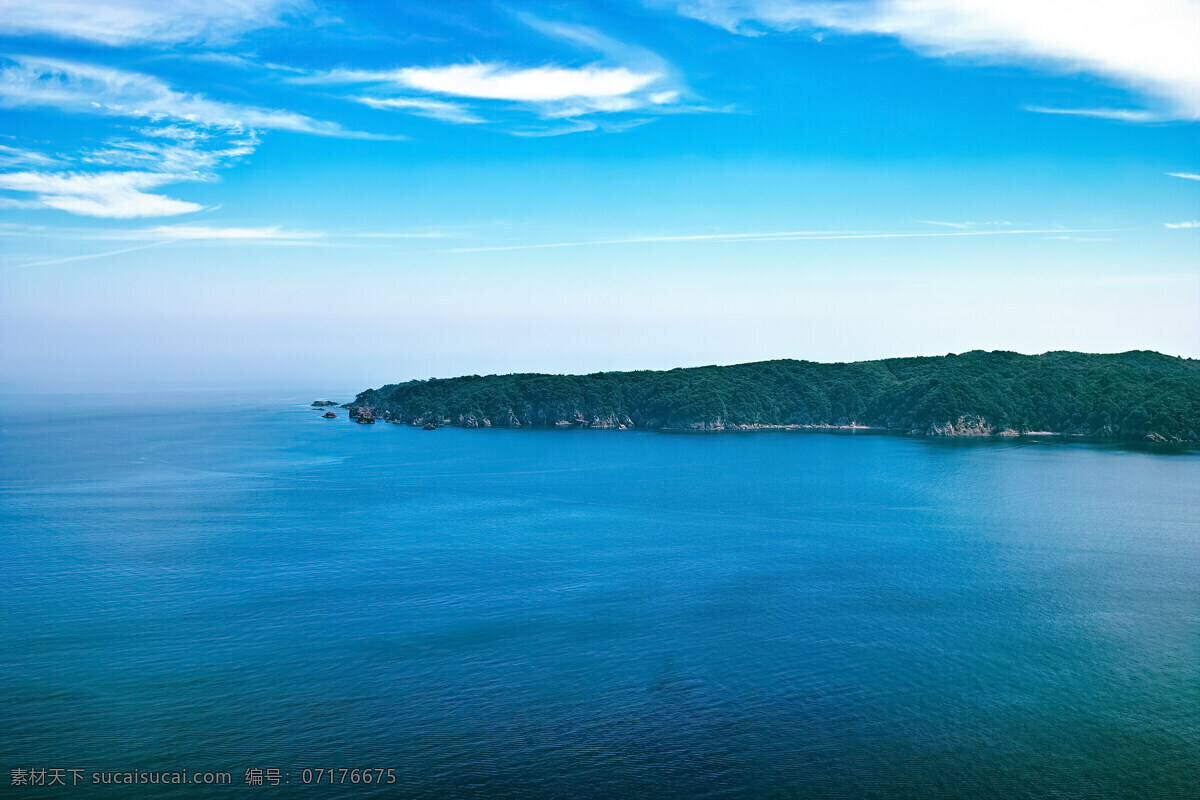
{"points": [[1191, 223], [180, 157], [624, 79], [20, 157], [86, 88], [118, 195], [1148, 46], [537, 84], [131, 22], [189, 137], [1185, 175], [550, 92], [423, 107], [1118, 114]]}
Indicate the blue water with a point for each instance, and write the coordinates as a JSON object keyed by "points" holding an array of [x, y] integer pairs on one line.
{"points": [[593, 613]]}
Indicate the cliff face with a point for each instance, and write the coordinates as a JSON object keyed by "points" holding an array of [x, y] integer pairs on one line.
{"points": [[1137, 395]]}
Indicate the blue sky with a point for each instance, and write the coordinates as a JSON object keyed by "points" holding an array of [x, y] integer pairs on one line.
{"points": [[253, 193]]}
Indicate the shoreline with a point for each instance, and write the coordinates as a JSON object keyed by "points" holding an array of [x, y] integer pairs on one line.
{"points": [[945, 434]]}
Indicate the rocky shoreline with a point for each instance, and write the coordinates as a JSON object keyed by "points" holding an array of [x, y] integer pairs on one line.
{"points": [[965, 426]]}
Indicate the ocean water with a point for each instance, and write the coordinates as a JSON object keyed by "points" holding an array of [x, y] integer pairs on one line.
{"points": [[524, 614]]}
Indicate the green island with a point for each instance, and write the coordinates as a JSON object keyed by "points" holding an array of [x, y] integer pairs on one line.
{"points": [[1138, 395]]}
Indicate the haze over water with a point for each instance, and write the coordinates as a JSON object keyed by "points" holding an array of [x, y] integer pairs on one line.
{"points": [[594, 613]]}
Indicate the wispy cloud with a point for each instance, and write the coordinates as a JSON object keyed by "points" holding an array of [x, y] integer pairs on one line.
{"points": [[182, 137], [784, 236], [177, 233], [12, 202], [959, 225], [21, 157], [965, 225], [88, 256], [398, 235], [625, 79], [424, 107], [204, 233], [119, 195], [273, 233], [1190, 176], [549, 91], [1148, 48], [92, 89], [153, 22], [1191, 223], [194, 156], [1117, 114], [531, 85]]}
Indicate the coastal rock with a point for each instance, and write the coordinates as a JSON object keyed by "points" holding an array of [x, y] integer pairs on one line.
{"points": [[329, 415], [966, 425], [323, 403], [429, 426], [363, 416], [717, 424]]}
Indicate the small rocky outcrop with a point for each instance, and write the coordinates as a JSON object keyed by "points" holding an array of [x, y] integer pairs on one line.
{"points": [[329, 415], [966, 425], [323, 403], [429, 426]]}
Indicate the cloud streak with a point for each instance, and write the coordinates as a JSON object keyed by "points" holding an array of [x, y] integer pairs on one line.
{"points": [[208, 233], [785, 236], [1116, 114], [423, 107], [90, 89], [116, 195], [87, 257], [142, 22]]}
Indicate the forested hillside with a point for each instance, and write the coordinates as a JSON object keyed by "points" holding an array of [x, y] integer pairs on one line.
{"points": [[1134, 395]]}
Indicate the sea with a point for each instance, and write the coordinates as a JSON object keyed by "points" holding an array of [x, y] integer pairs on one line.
{"points": [[238, 593]]}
